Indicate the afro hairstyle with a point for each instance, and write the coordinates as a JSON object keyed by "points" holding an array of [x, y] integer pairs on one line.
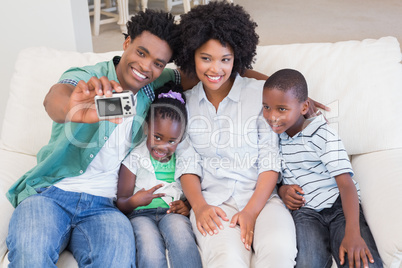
{"points": [[158, 23], [228, 23]]}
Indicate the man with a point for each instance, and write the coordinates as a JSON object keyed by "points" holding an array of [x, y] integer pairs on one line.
{"points": [[66, 201]]}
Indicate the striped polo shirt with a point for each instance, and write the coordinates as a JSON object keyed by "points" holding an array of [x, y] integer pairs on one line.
{"points": [[312, 159]]}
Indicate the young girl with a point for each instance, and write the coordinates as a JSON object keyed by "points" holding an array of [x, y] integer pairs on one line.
{"points": [[230, 153], [147, 191]]}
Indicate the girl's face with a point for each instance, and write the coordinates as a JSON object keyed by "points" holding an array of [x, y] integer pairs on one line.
{"points": [[214, 64], [163, 136]]}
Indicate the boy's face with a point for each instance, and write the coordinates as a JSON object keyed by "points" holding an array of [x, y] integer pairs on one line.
{"points": [[283, 111], [143, 61], [163, 136]]}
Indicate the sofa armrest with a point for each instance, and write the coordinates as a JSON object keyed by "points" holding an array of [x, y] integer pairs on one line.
{"points": [[6, 211], [380, 178], [12, 166]]}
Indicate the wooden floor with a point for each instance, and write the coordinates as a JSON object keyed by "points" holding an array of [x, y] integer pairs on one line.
{"points": [[289, 21]]}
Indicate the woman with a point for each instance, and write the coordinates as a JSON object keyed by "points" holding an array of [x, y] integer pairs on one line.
{"points": [[229, 160]]}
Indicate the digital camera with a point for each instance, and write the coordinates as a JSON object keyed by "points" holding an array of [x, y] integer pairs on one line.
{"points": [[118, 105]]}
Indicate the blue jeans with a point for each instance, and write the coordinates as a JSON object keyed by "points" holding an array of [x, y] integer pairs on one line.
{"points": [[319, 235], [155, 231], [91, 227]]}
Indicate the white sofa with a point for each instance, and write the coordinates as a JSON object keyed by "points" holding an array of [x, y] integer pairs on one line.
{"points": [[360, 80]]}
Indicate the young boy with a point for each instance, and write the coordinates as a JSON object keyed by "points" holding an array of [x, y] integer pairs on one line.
{"points": [[316, 173]]}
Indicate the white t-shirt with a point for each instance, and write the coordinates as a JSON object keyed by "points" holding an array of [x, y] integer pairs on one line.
{"points": [[101, 176]]}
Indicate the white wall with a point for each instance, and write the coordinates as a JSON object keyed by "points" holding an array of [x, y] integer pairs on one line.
{"points": [[61, 24]]}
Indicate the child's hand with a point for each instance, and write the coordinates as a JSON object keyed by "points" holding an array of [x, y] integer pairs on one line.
{"points": [[144, 197], [179, 207], [356, 249], [207, 217], [247, 222], [291, 196]]}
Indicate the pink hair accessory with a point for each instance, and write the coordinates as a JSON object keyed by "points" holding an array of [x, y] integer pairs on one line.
{"points": [[172, 95]]}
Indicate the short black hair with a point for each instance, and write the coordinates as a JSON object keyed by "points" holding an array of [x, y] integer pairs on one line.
{"points": [[169, 102], [288, 79], [157, 22], [228, 23]]}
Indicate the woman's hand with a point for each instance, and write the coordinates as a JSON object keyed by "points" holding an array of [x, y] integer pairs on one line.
{"points": [[246, 221], [207, 218], [313, 108]]}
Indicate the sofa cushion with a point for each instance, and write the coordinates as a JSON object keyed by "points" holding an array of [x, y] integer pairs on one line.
{"points": [[360, 80], [357, 79], [26, 125]]}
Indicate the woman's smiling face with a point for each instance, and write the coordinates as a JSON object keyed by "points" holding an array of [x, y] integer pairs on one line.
{"points": [[214, 64]]}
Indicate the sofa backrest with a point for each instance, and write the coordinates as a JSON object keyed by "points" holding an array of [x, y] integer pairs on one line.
{"points": [[360, 80], [26, 125]]}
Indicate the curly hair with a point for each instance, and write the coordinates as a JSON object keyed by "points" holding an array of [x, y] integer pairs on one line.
{"points": [[228, 23], [159, 23], [168, 105], [288, 79]]}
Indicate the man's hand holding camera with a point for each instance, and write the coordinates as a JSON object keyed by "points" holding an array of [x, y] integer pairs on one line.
{"points": [[65, 103], [81, 107]]}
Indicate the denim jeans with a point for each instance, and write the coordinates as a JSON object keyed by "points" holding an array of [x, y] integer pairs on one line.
{"points": [[91, 227], [155, 231], [319, 235]]}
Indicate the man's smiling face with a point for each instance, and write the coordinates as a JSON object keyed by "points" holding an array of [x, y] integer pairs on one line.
{"points": [[143, 61]]}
